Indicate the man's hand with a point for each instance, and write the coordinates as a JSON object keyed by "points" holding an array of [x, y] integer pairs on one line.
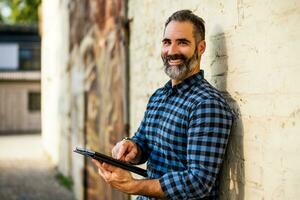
{"points": [[116, 177], [123, 181], [126, 150]]}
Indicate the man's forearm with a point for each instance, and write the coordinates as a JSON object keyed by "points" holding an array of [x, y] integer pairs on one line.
{"points": [[148, 187]]}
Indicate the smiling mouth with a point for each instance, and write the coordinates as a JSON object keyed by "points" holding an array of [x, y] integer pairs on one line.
{"points": [[175, 62]]}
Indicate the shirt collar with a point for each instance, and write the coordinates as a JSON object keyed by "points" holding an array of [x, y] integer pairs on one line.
{"points": [[185, 84]]}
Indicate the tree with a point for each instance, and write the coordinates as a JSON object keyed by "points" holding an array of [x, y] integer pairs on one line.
{"points": [[20, 11]]}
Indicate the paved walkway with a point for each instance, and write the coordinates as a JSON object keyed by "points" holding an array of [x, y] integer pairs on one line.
{"points": [[25, 174]]}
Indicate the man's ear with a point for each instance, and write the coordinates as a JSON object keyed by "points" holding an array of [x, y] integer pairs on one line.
{"points": [[201, 47]]}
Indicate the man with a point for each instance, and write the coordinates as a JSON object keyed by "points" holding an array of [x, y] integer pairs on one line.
{"points": [[186, 126]]}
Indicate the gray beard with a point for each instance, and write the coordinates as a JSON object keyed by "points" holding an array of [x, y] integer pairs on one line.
{"points": [[180, 72]]}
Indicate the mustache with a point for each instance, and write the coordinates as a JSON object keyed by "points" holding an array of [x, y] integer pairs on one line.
{"points": [[175, 57]]}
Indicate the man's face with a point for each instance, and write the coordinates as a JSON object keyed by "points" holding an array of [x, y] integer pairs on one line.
{"points": [[179, 50]]}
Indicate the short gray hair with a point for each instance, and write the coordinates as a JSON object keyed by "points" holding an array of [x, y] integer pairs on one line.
{"points": [[189, 16]]}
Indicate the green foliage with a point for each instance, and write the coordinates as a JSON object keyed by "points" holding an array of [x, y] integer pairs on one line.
{"points": [[21, 11], [64, 181]]}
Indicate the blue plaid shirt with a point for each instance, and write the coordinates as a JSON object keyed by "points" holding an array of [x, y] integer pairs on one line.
{"points": [[183, 136]]}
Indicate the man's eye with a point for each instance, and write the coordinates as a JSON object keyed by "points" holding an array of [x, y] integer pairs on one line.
{"points": [[166, 42], [182, 43]]}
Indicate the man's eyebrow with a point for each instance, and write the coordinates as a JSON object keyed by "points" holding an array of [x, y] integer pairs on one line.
{"points": [[165, 40], [183, 40], [178, 40]]}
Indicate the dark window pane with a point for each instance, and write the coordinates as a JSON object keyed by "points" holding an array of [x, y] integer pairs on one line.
{"points": [[34, 101], [30, 56]]}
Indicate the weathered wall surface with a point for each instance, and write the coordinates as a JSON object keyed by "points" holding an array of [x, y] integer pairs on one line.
{"points": [[97, 47], [84, 102], [55, 102], [252, 50], [56, 87]]}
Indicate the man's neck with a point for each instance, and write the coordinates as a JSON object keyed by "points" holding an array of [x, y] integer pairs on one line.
{"points": [[191, 73]]}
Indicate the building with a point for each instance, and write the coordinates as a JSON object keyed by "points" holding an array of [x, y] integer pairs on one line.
{"points": [[20, 90]]}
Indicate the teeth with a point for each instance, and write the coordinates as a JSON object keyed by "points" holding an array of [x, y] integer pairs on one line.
{"points": [[174, 62]]}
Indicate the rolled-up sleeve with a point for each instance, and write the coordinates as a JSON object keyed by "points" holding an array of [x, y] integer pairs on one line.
{"points": [[209, 128]]}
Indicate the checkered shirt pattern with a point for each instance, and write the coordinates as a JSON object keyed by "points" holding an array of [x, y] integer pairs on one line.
{"points": [[183, 136]]}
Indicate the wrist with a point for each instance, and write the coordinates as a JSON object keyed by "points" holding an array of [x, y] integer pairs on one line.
{"points": [[147, 187], [135, 187], [126, 139]]}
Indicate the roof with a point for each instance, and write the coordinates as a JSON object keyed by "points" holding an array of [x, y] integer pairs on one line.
{"points": [[20, 76], [19, 28], [19, 33]]}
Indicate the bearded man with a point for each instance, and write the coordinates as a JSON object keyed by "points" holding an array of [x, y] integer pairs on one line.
{"points": [[185, 130]]}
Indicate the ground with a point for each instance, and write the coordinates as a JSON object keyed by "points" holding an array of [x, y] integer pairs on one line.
{"points": [[26, 173]]}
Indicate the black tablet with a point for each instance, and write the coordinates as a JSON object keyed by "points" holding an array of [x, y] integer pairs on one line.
{"points": [[107, 159]]}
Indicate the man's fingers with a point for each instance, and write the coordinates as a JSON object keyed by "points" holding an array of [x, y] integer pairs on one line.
{"points": [[104, 166], [131, 155], [97, 163], [114, 152], [101, 173], [125, 151], [122, 150], [104, 169], [106, 175], [108, 167]]}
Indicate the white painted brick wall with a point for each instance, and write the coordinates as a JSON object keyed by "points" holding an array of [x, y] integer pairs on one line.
{"points": [[259, 45]]}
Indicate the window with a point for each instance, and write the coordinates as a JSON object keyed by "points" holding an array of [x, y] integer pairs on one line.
{"points": [[29, 56], [34, 101], [20, 56], [9, 56]]}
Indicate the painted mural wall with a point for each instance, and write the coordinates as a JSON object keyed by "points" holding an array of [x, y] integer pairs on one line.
{"points": [[84, 82]]}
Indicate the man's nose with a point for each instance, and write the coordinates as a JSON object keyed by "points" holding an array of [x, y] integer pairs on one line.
{"points": [[173, 49]]}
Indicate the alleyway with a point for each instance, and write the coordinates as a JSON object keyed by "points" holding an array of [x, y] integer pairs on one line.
{"points": [[25, 174]]}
